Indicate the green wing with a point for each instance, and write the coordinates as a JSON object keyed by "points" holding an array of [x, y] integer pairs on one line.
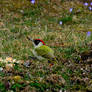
{"points": [[45, 51]]}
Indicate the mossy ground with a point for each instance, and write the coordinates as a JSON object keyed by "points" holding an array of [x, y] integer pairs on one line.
{"points": [[21, 18]]}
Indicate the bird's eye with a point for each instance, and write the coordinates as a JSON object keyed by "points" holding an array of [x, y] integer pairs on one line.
{"points": [[36, 42]]}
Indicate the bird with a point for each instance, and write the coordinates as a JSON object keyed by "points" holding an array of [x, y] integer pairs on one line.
{"points": [[41, 51]]}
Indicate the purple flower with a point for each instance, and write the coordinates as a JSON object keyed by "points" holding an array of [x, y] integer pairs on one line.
{"points": [[86, 4], [90, 8], [71, 9], [60, 22], [32, 1], [91, 3], [88, 33]]}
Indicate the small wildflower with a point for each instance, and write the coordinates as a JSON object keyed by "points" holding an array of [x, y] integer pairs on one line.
{"points": [[91, 3], [1, 69], [90, 8], [88, 33], [71, 9], [17, 78], [60, 22], [60, 91], [21, 11], [86, 4], [32, 1]]}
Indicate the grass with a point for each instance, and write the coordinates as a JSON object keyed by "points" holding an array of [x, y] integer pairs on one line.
{"points": [[20, 18]]}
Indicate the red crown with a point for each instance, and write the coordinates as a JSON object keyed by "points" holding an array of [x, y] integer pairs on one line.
{"points": [[41, 41]]}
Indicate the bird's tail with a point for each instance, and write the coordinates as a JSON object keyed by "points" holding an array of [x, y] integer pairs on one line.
{"points": [[54, 60]]}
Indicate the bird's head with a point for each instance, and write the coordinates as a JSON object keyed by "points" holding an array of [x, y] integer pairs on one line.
{"points": [[37, 42]]}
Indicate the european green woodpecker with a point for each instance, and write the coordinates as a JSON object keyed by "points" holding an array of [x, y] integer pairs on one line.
{"points": [[41, 51]]}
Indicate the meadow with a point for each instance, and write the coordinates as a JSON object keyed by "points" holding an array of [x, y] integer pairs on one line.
{"points": [[65, 26]]}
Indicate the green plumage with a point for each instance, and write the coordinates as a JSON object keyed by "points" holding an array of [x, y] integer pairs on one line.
{"points": [[41, 51], [45, 51]]}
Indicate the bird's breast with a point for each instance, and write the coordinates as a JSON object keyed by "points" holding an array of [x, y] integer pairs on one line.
{"points": [[36, 55]]}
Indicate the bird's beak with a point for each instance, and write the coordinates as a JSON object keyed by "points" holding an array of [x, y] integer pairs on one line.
{"points": [[30, 39]]}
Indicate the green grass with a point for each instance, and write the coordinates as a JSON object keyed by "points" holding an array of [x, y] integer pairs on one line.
{"points": [[41, 20]]}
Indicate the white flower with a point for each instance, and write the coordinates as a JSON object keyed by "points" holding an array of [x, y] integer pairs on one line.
{"points": [[1, 69]]}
